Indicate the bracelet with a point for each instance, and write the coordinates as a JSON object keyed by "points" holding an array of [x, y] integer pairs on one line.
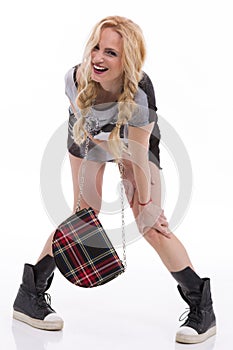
{"points": [[150, 200]]}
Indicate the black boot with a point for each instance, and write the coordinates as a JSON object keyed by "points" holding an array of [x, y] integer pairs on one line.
{"points": [[32, 304], [200, 323]]}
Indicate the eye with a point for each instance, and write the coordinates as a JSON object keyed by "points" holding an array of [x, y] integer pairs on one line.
{"points": [[96, 47], [111, 53]]}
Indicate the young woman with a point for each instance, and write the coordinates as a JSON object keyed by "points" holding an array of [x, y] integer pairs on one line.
{"points": [[112, 102]]}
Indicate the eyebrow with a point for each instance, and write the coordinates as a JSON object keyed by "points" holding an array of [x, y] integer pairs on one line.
{"points": [[111, 49]]}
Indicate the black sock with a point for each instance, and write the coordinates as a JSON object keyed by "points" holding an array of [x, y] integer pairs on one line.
{"points": [[188, 279], [44, 267]]}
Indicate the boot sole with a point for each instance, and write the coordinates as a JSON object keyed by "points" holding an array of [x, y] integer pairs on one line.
{"points": [[45, 325], [194, 339]]}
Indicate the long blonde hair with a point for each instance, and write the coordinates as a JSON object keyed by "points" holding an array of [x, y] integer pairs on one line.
{"points": [[133, 57]]}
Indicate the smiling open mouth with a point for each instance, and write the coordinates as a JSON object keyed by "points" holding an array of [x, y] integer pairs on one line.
{"points": [[99, 69]]}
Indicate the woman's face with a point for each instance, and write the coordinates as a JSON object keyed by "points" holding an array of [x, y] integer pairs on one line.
{"points": [[106, 60]]}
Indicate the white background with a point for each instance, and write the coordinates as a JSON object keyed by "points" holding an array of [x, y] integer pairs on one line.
{"points": [[189, 60]]}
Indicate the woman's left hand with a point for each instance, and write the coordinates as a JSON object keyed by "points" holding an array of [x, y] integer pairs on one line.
{"points": [[161, 226], [152, 216]]}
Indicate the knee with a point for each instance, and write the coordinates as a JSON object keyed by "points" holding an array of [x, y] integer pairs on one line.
{"points": [[154, 238]]}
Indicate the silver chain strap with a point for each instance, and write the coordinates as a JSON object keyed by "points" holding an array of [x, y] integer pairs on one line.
{"points": [[81, 185], [82, 177], [121, 168]]}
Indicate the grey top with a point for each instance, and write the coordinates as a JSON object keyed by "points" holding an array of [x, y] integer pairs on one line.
{"points": [[101, 116], [106, 115]]}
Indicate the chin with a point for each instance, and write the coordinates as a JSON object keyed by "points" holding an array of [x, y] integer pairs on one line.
{"points": [[95, 78]]}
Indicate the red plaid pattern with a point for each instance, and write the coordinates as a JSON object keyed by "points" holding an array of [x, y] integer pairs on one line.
{"points": [[83, 252]]}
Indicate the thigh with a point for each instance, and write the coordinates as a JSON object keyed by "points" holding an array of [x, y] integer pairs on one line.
{"points": [[131, 189], [93, 181], [128, 180], [155, 184]]}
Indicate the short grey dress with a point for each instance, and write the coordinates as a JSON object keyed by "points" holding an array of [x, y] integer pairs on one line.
{"points": [[102, 119]]}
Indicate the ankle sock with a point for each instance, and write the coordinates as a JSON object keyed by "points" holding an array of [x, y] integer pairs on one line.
{"points": [[45, 266], [188, 279]]}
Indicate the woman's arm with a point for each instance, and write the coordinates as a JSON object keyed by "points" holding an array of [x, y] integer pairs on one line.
{"points": [[138, 145], [150, 215]]}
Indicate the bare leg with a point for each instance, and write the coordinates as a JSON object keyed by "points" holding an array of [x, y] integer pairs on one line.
{"points": [[194, 290], [92, 191], [47, 250], [171, 251], [30, 305]]}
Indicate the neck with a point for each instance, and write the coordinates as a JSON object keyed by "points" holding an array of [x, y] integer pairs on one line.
{"points": [[110, 94], [113, 87]]}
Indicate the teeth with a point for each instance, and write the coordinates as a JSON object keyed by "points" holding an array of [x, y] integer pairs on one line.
{"points": [[99, 68]]}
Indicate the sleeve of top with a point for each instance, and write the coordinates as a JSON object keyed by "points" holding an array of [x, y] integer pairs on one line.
{"points": [[70, 87], [145, 99]]}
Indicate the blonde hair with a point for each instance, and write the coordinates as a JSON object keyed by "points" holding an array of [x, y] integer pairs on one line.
{"points": [[133, 57]]}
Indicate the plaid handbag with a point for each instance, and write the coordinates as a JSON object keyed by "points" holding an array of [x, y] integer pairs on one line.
{"points": [[82, 250]]}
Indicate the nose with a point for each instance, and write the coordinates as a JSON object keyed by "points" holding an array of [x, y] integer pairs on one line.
{"points": [[97, 57]]}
